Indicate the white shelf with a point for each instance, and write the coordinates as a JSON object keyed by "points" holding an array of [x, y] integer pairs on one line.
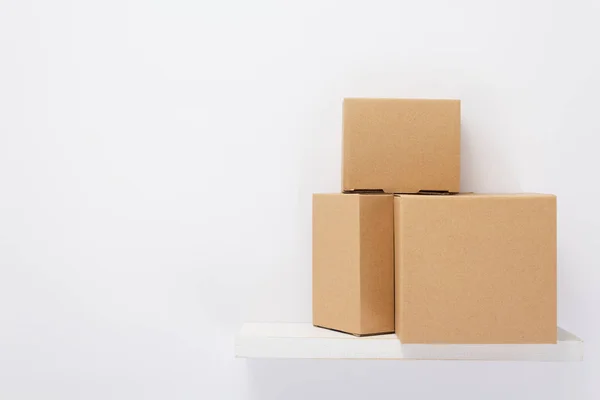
{"points": [[302, 340]]}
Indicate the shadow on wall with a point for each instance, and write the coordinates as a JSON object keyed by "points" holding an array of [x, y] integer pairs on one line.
{"points": [[348, 380], [485, 164]]}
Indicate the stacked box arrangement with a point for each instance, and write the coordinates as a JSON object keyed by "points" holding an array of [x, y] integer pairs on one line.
{"points": [[401, 250]]}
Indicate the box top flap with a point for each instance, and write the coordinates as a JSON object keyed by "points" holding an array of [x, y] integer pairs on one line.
{"points": [[474, 195]]}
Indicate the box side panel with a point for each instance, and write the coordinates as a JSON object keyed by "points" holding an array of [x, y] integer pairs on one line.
{"points": [[336, 258], [377, 263], [478, 269], [454, 143], [401, 145], [397, 264]]}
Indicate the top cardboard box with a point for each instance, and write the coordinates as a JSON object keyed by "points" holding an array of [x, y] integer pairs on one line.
{"points": [[401, 145]]}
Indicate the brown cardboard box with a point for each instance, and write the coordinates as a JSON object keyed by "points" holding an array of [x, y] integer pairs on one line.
{"points": [[401, 145], [353, 262], [475, 268]]}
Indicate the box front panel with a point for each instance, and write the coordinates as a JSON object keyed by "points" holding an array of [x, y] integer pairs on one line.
{"points": [[477, 269], [377, 263]]}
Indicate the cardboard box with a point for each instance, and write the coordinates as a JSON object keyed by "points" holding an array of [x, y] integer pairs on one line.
{"points": [[475, 268], [353, 262], [401, 145]]}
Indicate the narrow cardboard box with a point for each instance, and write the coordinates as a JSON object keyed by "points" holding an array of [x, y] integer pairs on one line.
{"points": [[353, 263], [475, 268], [401, 145]]}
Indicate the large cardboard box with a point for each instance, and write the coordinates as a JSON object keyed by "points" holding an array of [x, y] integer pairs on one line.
{"points": [[475, 268], [401, 145], [353, 262]]}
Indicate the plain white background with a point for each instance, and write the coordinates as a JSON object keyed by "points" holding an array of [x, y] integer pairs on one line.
{"points": [[157, 160]]}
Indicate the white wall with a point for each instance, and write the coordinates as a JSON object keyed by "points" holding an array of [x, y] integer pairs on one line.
{"points": [[157, 160]]}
